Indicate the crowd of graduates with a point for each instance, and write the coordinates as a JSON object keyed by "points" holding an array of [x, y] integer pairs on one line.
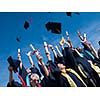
{"points": [[71, 67]]}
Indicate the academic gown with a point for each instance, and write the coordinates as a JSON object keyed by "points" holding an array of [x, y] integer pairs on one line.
{"points": [[93, 58], [76, 79], [14, 84], [54, 73], [22, 76], [63, 81], [69, 59], [91, 72], [23, 73], [66, 83]]}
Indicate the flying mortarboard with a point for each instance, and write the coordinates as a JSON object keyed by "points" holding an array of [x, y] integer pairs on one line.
{"points": [[69, 14], [35, 71], [55, 27], [14, 63], [18, 39], [26, 25]]}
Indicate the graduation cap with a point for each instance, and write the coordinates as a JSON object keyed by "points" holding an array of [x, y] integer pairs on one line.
{"points": [[14, 63], [35, 71], [26, 25], [69, 14], [18, 39], [55, 27], [58, 60]]}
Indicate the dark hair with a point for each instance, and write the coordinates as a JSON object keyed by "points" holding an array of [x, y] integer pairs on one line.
{"points": [[58, 60], [35, 70]]}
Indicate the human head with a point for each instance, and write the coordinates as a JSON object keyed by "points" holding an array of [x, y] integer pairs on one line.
{"points": [[59, 61], [34, 79], [61, 66]]}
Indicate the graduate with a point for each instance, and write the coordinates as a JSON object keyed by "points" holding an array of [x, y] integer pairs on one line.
{"points": [[59, 61], [85, 69], [48, 79], [49, 70], [88, 50], [67, 52], [89, 54], [56, 71], [13, 67], [70, 59], [35, 76], [69, 71], [31, 75], [12, 82]]}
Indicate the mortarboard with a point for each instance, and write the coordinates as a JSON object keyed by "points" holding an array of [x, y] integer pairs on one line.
{"points": [[18, 39], [55, 27], [58, 60], [35, 71], [69, 14], [26, 25], [14, 63]]}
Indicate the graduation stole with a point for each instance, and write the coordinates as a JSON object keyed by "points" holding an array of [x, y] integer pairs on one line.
{"points": [[70, 80], [85, 74], [82, 71], [96, 68], [75, 73]]}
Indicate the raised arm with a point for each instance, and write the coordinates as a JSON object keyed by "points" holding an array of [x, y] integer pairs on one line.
{"points": [[10, 75], [69, 41], [19, 58], [40, 60], [30, 58], [93, 50], [53, 50], [89, 45], [58, 51], [47, 51], [80, 36]]}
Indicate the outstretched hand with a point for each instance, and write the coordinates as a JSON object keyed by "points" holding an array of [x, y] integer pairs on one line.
{"points": [[78, 32]]}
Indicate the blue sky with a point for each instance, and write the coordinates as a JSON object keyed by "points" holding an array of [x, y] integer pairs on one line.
{"points": [[11, 26]]}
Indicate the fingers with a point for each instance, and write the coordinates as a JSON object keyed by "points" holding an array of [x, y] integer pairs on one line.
{"points": [[78, 32]]}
